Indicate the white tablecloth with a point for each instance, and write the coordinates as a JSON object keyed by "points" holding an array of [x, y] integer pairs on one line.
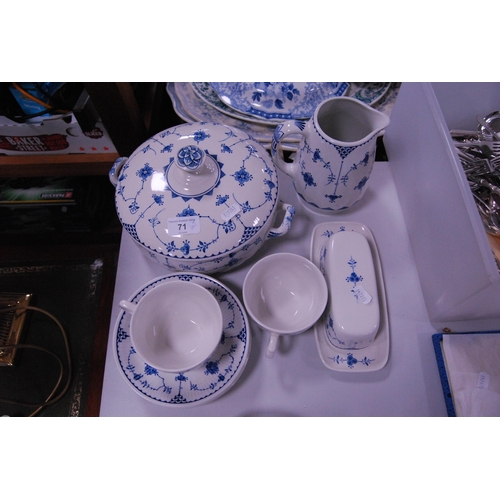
{"points": [[295, 382]]}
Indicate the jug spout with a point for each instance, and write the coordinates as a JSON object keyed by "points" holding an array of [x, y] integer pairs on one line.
{"points": [[349, 122]]}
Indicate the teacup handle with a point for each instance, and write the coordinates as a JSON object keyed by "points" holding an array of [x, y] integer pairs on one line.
{"points": [[128, 306], [282, 131], [273, 343]]}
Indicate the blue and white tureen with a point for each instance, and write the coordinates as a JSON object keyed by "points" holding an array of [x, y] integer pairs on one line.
{"points": [[200, 197]]}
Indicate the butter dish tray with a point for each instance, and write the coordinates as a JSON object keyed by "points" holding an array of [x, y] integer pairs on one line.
{"points": [[365, 359], [199, 385]]}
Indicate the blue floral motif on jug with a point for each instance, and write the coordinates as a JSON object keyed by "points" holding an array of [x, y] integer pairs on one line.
{"points": [[340, 182]]}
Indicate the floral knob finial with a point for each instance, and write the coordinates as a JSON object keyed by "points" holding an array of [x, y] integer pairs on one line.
{"points": [[190, 158]]}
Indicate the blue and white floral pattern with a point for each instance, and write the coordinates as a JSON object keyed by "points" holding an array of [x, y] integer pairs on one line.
{"points": [[191, 108], [190, 157], [207, 95], [339, 182], [369, 92], [333, 352], [353, 277], [351, 361], [332, 337], [277, 100], [149, 195], [330, 172], [199, 385]]}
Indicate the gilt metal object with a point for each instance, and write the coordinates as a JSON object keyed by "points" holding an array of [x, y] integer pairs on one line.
{"points": [[12, 321]]}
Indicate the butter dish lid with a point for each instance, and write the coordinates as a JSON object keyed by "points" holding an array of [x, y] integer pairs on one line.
{"points": [[353, 287]]}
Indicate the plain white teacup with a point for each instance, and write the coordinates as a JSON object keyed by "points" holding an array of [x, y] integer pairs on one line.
{"points": [[175, 326], [285, 294]]}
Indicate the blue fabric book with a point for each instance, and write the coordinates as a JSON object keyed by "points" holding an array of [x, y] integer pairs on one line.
{"points": [[469, 365]]}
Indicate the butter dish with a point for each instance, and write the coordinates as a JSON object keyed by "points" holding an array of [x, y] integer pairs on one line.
{"points": [[354, 304], [352, 350]]}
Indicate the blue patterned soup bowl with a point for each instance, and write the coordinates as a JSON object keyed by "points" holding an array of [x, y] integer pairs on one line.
{"points": [[200, 197]]}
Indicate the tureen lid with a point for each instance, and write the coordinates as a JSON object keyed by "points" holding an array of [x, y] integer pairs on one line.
{"points": [[196, 190]]}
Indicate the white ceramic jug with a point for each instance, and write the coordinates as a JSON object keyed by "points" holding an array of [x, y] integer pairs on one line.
{"points": [[336, 153]]}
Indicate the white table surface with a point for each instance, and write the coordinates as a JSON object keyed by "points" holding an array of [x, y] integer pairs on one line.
{"points": [[295, 382]]}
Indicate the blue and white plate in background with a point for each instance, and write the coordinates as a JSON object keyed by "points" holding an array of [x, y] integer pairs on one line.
{"points": [[206, 93], [277, 100], [370, 92], [190, 107]]}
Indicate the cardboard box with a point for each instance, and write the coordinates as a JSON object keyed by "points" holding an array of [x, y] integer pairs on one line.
{"points": [[37, 191], [54, 135]]}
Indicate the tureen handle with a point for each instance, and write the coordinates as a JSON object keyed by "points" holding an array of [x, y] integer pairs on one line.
{"points": [[115, 170], [286, 222]]}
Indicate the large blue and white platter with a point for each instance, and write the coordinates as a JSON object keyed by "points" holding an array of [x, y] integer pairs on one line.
{"points": [[367, 359], [370, 92], [206, 93], [199, 102], [277, 100], [189, 106], [204, 383]]}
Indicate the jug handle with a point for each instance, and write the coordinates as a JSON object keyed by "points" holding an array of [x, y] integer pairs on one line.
{"points": [[282, 131], [114, 173]]}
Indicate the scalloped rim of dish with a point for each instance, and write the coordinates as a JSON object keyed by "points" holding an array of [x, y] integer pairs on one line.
{"points": [[186, 113], [225, 109], [357, 87], [287, 113], [375, 356]]}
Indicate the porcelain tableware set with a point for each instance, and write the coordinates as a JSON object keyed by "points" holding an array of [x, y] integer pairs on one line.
{"points": [[277, 100], [203, 198], [176, 326], [199, 102], [353, 333], [203, 383], [200, 197], [336, 154], [285, 294]]}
